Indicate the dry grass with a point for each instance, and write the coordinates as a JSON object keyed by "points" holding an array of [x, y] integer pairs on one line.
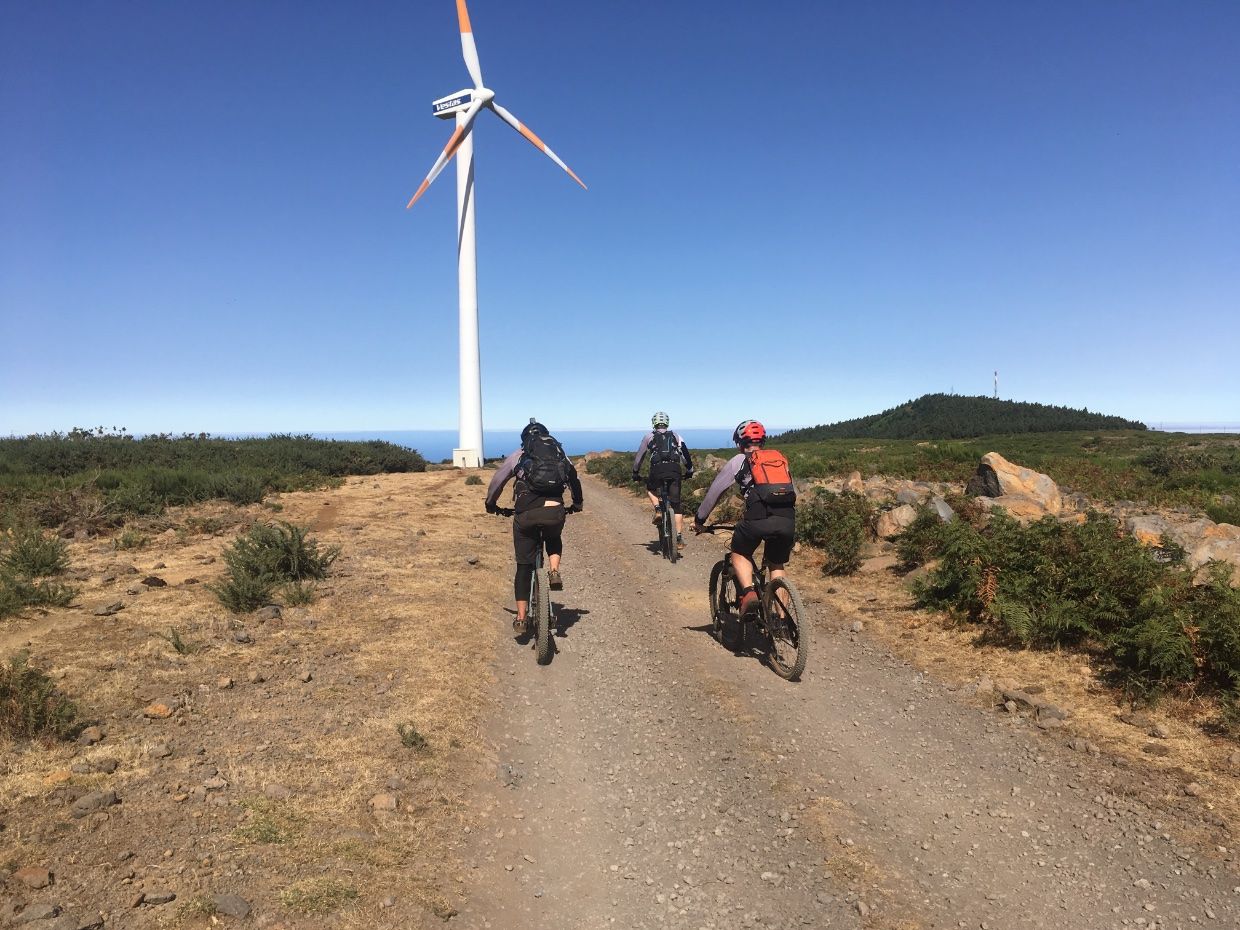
{"points": [[403, 631]]}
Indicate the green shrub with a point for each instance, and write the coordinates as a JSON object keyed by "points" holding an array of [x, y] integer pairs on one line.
{"points": [[31, 706], [839, 525], [1090, 586], [299, 593], [181, 647], [241, 593], [268, 556], [472, 480], [131, 539], [30, 553], [921, 540]]}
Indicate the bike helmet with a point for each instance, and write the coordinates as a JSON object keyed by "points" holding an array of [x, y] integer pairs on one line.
{"points": [[748, 433], [660, 420], [534, 429]]}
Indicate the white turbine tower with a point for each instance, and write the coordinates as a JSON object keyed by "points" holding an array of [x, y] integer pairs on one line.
{"points": [[465, 105]]}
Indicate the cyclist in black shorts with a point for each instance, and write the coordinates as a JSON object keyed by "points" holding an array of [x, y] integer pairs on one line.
{"points": [[770, 508], [543, 473], [668, 456]]}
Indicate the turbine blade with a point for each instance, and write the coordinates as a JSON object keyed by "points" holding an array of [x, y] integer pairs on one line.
{"points": [[534, 140], [468, 49], [454, 142]]}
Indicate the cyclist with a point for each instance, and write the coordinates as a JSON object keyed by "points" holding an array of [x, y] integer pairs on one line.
{"points": [[668, 453], [542, 472], [770, 507]]}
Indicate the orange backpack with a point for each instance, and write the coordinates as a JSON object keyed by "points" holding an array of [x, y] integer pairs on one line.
{"points": [[772, 480]]}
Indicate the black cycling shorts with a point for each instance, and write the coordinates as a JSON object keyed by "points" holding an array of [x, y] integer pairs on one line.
{"points": [[779, 533], [655, 487], [528, 527]]}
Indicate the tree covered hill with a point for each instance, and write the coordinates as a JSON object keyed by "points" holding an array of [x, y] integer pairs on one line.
{"points": [[955, 416]]}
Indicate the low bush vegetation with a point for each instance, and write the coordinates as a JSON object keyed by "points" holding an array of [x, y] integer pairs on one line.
{"points": [[267, 557], [837, 524], [97, 479], [30, 560], [1089, 586], [31, 707]]}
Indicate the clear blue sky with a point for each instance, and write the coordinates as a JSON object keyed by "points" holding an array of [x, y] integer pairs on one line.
{"points": [[797, 211]]}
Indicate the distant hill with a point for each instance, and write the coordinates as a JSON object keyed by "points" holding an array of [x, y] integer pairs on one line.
{"points": [[954, 416]]}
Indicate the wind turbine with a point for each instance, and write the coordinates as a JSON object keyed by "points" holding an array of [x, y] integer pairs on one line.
{"points": [[465, 105]]}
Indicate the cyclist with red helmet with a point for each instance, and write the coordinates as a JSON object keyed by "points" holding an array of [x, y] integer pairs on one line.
{"points": [[766, 488]]}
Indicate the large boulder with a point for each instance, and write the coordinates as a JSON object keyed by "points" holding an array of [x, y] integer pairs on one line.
{"points": [[853, 484], [1025, 509], [1024, 489]]}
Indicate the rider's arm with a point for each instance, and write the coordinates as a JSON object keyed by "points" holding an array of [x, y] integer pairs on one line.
{"points": [[501, 477], [684, 452], [641, 453], [722, 482], [574, 485]]}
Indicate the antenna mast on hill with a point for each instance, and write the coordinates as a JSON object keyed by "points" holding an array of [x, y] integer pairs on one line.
{"points": [[996, 385]]}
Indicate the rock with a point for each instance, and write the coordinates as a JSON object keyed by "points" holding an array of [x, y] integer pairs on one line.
{"points": [[1233, 761], [306, 676], [242, 637], [231, 905], [270, 612], [856, 627], [909, 495], [1159, 731], [107, 577], [997, 477], [1194, 790], [156, 898], [1156, 749], [1216, 550], [943, 509], [1148, 529], [879, 563], [471, 560], [154, 581], [106, 610], [853, 484], [95, 801], [215, 783], [256, 677], [191, 581], [892, 522], [277, 792], [159, 751], [90, 736], [161, 709], [1019, 698], [383, 802], [223, 682], [33, 876], [157, 566], [1047, 711], [1011, 707], [1133, 719], [714, 463], [1019, 507], [37, 912]]}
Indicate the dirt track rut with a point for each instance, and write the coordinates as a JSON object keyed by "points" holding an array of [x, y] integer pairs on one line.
{"points": [[649, 778]]}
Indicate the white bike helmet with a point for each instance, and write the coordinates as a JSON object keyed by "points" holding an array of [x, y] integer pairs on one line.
{"points": [[660, 420]]}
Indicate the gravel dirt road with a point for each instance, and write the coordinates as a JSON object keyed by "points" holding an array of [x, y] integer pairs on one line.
{"points": [[649, 778]]}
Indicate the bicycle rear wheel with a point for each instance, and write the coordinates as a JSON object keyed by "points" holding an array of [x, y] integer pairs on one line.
{"points": [[669, 535], [721, 606], [787, 629], [540, 605]]}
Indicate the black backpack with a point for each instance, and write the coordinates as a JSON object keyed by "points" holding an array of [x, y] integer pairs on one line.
{"points": [[664, 455], [544, 466]]}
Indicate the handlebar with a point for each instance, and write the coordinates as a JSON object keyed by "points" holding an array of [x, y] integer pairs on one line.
{"points": [[508, 511], [711, 527]]}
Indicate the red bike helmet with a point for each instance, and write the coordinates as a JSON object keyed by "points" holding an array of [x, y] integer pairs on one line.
{"points": [[748, 433]]}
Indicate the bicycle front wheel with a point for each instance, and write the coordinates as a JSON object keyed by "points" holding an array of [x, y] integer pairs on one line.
{"points": [[787, 629], [540, 605]]}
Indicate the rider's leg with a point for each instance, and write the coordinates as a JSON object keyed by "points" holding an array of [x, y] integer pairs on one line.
{"points": [[742, 568], [553, 538], [525, 547]]}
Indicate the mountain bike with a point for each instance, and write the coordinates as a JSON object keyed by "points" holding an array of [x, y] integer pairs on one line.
{"points": [[541, 611], [780, 617], [667, 523]]}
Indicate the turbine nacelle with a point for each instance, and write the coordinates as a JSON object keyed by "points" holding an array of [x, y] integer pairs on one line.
{"points": [[447, 107]]}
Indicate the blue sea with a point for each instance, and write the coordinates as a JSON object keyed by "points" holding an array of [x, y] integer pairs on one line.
{"points": [[437, 445]]}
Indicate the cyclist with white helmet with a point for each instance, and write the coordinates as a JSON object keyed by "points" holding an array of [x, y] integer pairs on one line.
{"points": [[766, 487], [668, 454]]}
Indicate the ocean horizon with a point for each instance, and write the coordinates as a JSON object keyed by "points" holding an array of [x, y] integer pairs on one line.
{"points": [[437, 445]]}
